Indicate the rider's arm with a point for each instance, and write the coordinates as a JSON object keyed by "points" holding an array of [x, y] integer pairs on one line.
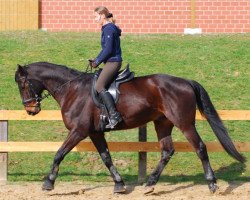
{"points": [[107, 47]]}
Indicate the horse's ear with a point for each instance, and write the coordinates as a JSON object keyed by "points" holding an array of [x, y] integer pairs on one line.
{"points": [[22, 71]]}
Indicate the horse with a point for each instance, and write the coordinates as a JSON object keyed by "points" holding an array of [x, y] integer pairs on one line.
{"points": [[166, 100]]}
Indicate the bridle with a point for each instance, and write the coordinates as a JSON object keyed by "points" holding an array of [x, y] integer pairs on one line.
{"points": [[37, 98], [33, 95]]}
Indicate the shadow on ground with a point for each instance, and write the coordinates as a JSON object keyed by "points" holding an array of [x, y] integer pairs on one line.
{"points": [[229, 174]]}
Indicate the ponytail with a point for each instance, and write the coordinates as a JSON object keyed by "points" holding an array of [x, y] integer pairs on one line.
{"points": [[103, 10]]}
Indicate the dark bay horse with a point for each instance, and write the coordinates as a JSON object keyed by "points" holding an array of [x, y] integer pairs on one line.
{"points": [[166, 100]]}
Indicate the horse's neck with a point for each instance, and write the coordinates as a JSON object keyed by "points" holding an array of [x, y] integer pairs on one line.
{"points": [[57, 85], [57, 82]]}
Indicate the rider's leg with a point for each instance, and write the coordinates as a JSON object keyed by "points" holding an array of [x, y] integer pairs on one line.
{"points": [[108, 73], [114, 115]]}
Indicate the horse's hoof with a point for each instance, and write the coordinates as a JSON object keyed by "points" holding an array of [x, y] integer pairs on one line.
{"points": [[119, 188], [47, 185], [148, 189], [212, 187]]}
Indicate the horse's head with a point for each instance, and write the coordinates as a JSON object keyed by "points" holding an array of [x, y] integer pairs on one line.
{"points": [[30, 90]]}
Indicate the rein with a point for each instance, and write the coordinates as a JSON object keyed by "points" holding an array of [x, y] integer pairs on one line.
{"points": [[88, 69]]}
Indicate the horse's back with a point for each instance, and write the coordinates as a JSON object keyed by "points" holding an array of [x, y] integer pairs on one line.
{"points": [[166, 94], [159, 81]]}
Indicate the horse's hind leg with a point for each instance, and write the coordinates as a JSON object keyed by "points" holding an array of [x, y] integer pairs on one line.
{"points": [[201, 150], [102, 147], [163, 128]]}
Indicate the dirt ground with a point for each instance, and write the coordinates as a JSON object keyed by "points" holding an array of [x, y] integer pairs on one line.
{"points": [[76, 190]]}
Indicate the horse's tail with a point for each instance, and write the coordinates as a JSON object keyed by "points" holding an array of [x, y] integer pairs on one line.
{"points": [[207, 110]]}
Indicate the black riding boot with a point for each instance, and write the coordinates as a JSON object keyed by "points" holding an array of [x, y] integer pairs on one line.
{"points": [[114, 115]]}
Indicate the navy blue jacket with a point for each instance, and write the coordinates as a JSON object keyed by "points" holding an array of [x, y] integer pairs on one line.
{"points": [[110, 41]]}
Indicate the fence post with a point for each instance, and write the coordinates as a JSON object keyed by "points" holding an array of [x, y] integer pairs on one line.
{"points": [[3, 156], [142, 173]]}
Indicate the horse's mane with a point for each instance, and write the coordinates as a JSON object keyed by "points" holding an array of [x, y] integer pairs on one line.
{"points": [[56, 68]]}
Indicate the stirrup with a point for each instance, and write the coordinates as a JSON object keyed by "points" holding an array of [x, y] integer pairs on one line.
{"points": [[114, 120]]}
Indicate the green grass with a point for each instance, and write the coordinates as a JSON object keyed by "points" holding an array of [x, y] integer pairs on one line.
{"points": [[220, 63]]}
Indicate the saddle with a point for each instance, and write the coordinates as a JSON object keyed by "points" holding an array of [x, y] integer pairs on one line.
{"points": [[122, 77]]}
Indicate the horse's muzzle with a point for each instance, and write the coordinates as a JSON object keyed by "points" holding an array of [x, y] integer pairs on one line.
{"points": [[33, 110]]}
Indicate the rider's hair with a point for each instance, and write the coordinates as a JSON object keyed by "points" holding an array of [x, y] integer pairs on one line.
{"points": [[103, 10]]}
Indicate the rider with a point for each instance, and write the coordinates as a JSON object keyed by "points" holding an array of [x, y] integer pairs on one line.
{"points": [[110, 55]]}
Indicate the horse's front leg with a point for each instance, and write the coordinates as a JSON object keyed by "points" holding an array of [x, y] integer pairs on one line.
{"points": [[71, 141], [101, 145]]}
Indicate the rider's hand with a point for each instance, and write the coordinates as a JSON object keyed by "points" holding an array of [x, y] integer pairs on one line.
{"points": [[92, 63]]}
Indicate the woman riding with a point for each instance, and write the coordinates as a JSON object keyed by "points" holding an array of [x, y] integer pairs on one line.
{"points": [[111, 56]]}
